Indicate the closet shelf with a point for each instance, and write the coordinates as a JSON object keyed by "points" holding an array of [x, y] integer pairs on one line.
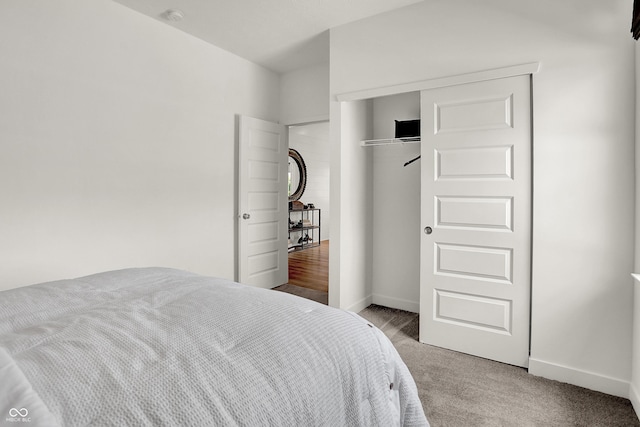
{"points": [[390, 141]]}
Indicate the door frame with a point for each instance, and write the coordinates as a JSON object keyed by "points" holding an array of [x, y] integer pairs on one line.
{"points": [[311, 121]]}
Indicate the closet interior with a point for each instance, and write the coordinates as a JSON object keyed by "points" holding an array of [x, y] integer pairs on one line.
{"points": [[395, 203]]}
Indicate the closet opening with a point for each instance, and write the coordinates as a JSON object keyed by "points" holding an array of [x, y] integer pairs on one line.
{"points": [[377, 249], [395, 204]]}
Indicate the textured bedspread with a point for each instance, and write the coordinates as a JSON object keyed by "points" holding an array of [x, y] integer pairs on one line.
{"points": [[166, 347]]}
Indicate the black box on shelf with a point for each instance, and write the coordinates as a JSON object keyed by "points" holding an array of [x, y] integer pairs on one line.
{"points": [[407, 128]]}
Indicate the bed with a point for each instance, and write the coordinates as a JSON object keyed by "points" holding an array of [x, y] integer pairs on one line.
{"points": [[165, 347]]}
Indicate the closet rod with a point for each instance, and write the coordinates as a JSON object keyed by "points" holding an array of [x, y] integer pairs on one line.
{"points": [[411, 161]]}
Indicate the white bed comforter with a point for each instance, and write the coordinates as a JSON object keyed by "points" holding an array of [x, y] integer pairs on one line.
{"points": [[158, 346]]}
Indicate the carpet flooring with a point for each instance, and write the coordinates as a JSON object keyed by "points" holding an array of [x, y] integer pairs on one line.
{"points": [[458, 390]]}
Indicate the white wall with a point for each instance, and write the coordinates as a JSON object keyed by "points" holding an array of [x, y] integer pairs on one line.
{"points": [[305, 95], [312, 142], [583, 102], [396, 207], [634, 388], [350, 256], [117, 142]]}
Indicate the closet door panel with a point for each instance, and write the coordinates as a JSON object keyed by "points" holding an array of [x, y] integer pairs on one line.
{"points": [[476, 214]]}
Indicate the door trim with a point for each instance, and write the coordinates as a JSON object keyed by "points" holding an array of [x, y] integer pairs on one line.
{"points": [[478, 76]]}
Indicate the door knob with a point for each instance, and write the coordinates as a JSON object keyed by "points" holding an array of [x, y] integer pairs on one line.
{"points": [[428, 230], [246, 216]]}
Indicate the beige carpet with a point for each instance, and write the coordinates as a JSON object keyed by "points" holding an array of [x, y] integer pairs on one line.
{"points": [[459, 390]]}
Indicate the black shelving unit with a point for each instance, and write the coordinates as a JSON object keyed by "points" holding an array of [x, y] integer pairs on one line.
{"points": [[304, 235]]}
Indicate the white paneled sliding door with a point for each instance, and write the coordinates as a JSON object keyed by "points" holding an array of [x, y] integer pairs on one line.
{"points": [[475, 280]]}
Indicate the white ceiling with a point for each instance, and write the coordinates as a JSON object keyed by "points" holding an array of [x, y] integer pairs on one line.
{"points": [[281, 35]]}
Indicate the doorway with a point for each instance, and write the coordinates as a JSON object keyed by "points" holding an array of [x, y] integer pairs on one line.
{"points": [[309, 213]]}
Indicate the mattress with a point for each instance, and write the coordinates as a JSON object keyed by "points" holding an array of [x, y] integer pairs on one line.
{"points": [[165, 347]]}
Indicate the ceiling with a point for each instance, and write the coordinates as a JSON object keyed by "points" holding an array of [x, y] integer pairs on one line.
{"points": [[281, 35]]}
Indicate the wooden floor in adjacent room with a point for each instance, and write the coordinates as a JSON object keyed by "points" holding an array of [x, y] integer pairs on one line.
{"points": [[310, 268]]}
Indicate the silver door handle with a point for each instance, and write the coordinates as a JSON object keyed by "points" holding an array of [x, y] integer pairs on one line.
{"points": [[246, 216], [428, 230]]}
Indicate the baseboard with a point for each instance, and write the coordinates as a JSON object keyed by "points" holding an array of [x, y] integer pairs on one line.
{"points": [[634, 397], [586, 379], [400, 304], [360, 305]]}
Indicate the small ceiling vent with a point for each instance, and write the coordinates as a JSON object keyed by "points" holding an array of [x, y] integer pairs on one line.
{"points": [[173, 15]]}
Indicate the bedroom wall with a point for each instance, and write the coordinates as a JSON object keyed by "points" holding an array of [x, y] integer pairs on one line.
{"points": [[305, 95], [350, 257], [634, 388], [312, 142], [583, 102], [117, 142], [396, 207]]}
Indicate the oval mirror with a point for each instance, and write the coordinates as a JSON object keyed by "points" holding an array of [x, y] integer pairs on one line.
{"points": [[297, 175]]}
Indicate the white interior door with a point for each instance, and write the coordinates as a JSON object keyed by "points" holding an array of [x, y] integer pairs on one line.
{"points": [[263, 203], [475, 280]]}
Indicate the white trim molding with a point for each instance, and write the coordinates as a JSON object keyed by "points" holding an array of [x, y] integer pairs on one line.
{"points": [[496, 73], [360, 305], [581, 378], [634, 397]]}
